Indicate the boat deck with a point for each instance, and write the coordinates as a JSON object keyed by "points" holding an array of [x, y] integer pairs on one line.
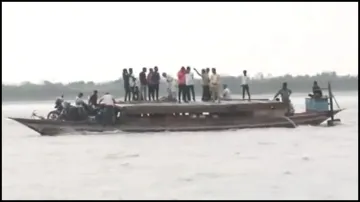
{"points": [[198, 103], [199, 107]]}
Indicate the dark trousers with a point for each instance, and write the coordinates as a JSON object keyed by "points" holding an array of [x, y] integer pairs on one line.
{"points": [[127, 93], [156, 91], [190, 90], [245, 88], [206, 93], [108, 115], [287, 102], [182, 92], [151, 92]]}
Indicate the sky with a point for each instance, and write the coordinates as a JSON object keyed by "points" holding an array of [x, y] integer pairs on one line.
{"points": [[94, 41]]}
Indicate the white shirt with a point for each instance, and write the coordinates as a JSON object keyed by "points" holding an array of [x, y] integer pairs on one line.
{"points": [[189, 78], [205, 79], [79, 102], [214, 79], [244, 80], [107, 99], [171, 83], [132, 82], [227, 93]]}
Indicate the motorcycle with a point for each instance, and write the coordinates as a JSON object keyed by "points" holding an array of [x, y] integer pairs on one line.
{"points": [[67, 112], [59, 107]]}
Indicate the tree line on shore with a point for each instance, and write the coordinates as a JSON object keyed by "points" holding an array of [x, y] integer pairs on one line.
{"points": [[258, 85]]}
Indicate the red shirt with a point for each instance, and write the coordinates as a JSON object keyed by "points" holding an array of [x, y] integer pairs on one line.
{"points": [[181, 77]]}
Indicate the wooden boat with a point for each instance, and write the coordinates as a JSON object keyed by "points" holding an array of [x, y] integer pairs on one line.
{"points": [[203, 116]]}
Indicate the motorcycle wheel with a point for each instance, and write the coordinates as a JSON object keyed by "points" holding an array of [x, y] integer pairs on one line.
{"points": [[53, 115]]}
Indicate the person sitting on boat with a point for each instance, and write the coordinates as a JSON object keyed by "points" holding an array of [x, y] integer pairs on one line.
{"points": [[108, 102], [285, 93], [81, 105], [171, 86], [93, 99], [58, 102], [317, 92], [226, 94]]}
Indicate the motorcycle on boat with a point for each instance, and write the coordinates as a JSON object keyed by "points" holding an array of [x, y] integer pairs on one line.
{"points": [[66, 112]]}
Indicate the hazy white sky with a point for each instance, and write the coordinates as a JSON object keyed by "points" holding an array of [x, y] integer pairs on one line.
{"points": [[95, 41]]}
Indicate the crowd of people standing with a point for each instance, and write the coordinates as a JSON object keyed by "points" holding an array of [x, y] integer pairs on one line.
{"points": [[146, 86]]}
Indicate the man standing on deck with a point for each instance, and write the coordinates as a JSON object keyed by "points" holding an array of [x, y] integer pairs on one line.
{"points": [[132, 86], [245, 85], [131, 72], [126, 78], [205, 80], [150, 84], [131, 77], [189, 80], [171, 86], [108, 101], [208, 75], [215, 85], [285, 93], [156, 82], [143, 84], [182, 84]]}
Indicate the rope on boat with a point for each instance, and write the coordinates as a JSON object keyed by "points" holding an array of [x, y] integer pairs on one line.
{"points": [[34, 115], [333, 96], [290, 121]]}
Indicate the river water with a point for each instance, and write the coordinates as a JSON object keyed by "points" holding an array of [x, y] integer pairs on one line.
{"points": [[302, 163]]}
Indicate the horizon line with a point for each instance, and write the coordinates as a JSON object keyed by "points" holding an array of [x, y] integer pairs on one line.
{"points": [[255, 76]]}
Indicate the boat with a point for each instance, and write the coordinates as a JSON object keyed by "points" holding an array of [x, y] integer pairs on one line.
{"points": [[197, 116]]}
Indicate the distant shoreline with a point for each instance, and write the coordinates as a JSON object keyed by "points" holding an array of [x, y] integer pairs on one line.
{"points": [[258, 86], [255, 95]]}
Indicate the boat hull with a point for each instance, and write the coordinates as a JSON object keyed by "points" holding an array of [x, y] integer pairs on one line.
{"points": [[51, 127]]}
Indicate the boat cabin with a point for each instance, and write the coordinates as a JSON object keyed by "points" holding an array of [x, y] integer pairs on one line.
{"points": [[317, 104]]}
